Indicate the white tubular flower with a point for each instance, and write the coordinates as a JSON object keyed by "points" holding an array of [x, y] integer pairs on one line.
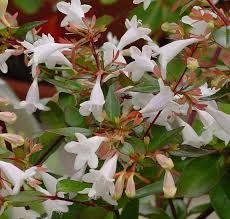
{"points": [[110, 52], [130, 190], [95, 104], [159, 101], [212, 127], [146, 2], [21, 212], [170, 51], [189, 135], [112, 39], [102, 180], [85, 150], [52, 205], [142, 63], [15, 176], [164, 162], [45, 50], [223, 121], [140, 100], [134, 33], [169, 187], [206, 91], [8, 117], [3, 58], [74, 12], [32, 101]]}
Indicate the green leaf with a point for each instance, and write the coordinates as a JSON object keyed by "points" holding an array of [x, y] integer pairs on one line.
{"points": [[147, 84], [103, 21], [4, 152], [131, 210], [174, 69], [66, 100], [151, 189], [28, 6], [220, 198], [73, 117], [189, 151], [137, 145], [112, 105], [67, 185], [222, 36], [161, 138], [180, 207], [108, 2], [200, 176], [70, 131], [199, 209], [25, 198], [22, 31], [224, 91], [159, 213]]}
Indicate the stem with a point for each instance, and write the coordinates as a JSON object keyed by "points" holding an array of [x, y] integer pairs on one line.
{"points": [[219, 13], [152, 123], [173, 209], [206, 213]]}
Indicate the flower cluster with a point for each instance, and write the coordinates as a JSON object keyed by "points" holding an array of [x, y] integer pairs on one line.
{"points": [[134, 116]]}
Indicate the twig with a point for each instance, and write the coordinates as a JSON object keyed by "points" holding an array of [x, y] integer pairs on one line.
{"points": [[173, 209], [206, 213]]}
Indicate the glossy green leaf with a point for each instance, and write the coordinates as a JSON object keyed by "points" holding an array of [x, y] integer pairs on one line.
{"points": [[73, 117], [67, 185], [200, 176], [159, 213], [70, 131], [150, 189], [112, 105], [103, 21], [28, 6], [131, 210], [199, 209], [66, 100]]}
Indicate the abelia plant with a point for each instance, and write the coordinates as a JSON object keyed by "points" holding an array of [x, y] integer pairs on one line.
{"points": [[147, 124]]}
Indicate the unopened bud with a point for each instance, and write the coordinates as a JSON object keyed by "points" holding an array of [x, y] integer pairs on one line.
{"points": [[164, 162], [3, 7], [15, 140], [146, 140], [192, 64], [8, 117], [169, 187], [169, 27], [130, 190], [4, 101], [119, 187]]}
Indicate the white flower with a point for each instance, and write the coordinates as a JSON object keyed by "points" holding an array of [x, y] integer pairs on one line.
{"points": [[140, 100], [85, 150], [102, 180], [142, 62], [169, 51], [212, 127], [189, 135], [109, 53], [74, 11], [21, 212], [95, 104], [15, 176], [164, 162], [146, 2], [52, 205], [159, 101], [45, 50], [134, 33], [3, 58], [205, 91], [8, 117], [32, 101], [112, 39]]}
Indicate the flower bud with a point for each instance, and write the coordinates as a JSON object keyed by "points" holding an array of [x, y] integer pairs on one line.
{"points": [[130, 190], [8, 117], [164, 162], [15, 140], [4, 101], [169, 27], [169, 187], [146, 140], [192, 64], [3, 7], [119, 187]]}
